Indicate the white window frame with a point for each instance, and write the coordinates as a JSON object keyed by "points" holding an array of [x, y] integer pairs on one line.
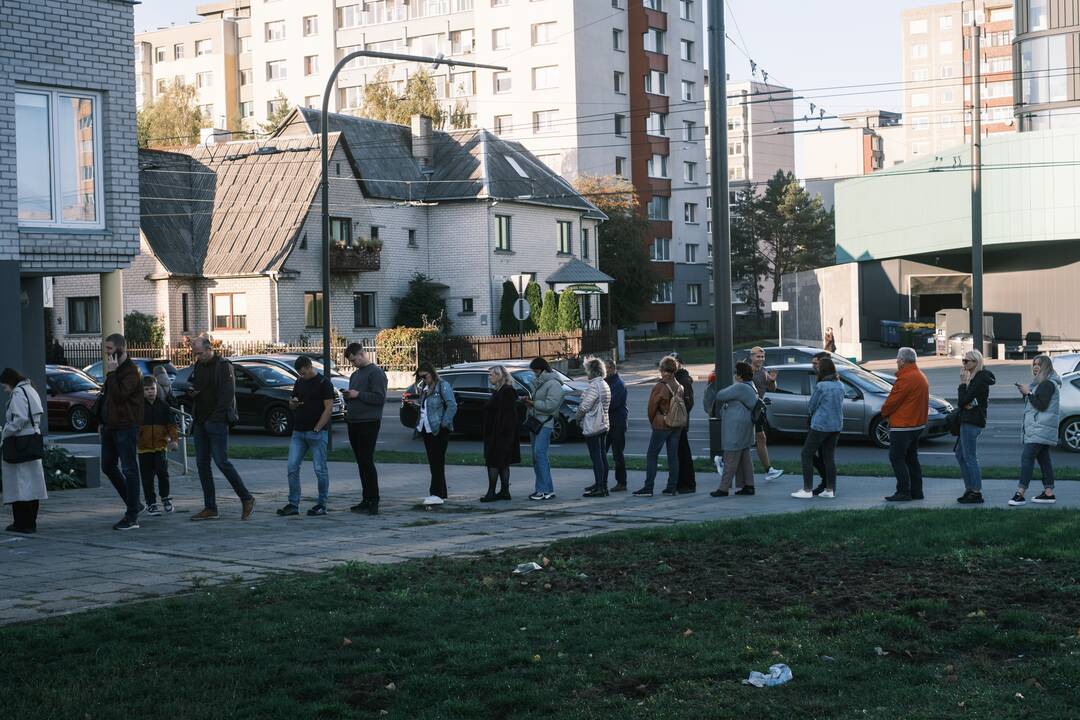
{"points": [[693, 294], [309, 29], [270, 31], [53, 95], [206, 45], [662, 293]]}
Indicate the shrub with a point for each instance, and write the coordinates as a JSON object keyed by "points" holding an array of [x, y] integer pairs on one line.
{"points": [[508, 324], [143, 329], [569, 312], [549, 315], [402, 348], [533, 294], [422, 305]]}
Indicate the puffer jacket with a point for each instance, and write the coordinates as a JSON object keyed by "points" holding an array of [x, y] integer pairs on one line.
{"points": [[736, 403], [827, 406], [592, 413], [976, 393], [1041, 412], [440, 403], [547, 397], [158, 428]]}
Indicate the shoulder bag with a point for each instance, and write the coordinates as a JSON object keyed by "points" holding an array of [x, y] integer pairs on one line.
{"points": [[24, 448]]}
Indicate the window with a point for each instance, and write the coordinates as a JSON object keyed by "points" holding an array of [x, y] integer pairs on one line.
{"points": [[159, 54], [544, 121], [691, 252], [655, 40], [920, 123], [620, 166], [373, 232], [620, 124], [947, 71], [462, 42], [84, 315], [274, 106], [619, 82], [1001, 39], [502, 232], [656, 124], [245, 44], [1041, 62], [999, 64], [688, 91], [945, 47], [275, 30], [313, 101], [689, 131], [658, 166], [311, 65], [462, 84], [945, 22], [363, 309], [349, 16], [659, 208], [686, 50], [690, 172], [656, 82], [178, 51], [947, 96], [584, 244], [467, 306], [57, 157], [204, 79], [162, 86], [500, 39], [735, 147], [657, 5], [686, 10], [545, 78], [920, 51], [313, 309], [1001, 14], [275, 70], [690, 213], [617, 40], [693, 294], [660, 249], [204, 47], [247, 109], [502, 82], [341, 231], [245, 77], [185, 324], [737, 172], [229, 311], [311, 25], [920, 148], [921, 74], [565, 228], [503, 124], [1037, 16], [920, 99], [790, 382], [662, 294], [543, 33], [917, 27]]}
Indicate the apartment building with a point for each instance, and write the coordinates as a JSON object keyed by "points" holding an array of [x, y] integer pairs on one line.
{"points": [[760, 138], [1048, 46], [865, 143], [937, 73]]}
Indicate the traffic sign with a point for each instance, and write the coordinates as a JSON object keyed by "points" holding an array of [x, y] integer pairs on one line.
{"points": [[780, 305], [522, 310]]}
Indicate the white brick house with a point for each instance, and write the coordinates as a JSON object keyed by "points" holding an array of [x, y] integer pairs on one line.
{"points": [[231, 233]]}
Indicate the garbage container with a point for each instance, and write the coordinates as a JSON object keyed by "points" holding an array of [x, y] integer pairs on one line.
{"points": [[960, 344], [890, 333], [907, 337], [924, 341]]}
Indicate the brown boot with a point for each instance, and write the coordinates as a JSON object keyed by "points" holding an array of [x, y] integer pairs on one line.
{"points": [[205, 514], [248, 508]]}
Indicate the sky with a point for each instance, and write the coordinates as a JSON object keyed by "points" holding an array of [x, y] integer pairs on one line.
{"points": [[804, 44]]}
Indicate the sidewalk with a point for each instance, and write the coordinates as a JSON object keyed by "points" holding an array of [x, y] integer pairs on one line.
{"points": [[77, 562]]}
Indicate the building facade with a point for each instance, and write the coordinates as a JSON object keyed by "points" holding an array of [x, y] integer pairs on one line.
{"points": [[866, 142], [69, 200], [1047, 51], [937, 74]]}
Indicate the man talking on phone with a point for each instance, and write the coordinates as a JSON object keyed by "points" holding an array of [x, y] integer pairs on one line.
{"points": [[120, 416]]}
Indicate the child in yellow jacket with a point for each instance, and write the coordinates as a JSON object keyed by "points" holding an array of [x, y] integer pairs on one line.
{"points": [[157, 434]]}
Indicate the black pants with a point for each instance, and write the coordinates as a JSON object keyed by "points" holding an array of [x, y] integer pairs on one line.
{"points": [[362, 438], [687, 478], [820, 446], [435, 447], [151, 464], [616, 441], [904, 456], [24, 514], [120, 463]]}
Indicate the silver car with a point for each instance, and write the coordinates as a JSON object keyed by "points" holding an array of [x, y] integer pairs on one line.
{"points": [[864, 393], [1065, 364], [1069, 432]]}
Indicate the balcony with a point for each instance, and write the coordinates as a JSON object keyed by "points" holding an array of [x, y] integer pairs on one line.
{"points": [[363, 257]]}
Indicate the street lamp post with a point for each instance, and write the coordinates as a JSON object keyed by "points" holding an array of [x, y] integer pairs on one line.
{"points": [[325, 184], [721, 211]]}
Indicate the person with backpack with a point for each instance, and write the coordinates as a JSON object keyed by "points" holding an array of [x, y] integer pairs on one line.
{"points": [[740, 405], [1042, 398], [592, 417], [437, 410], [667, 416], [543, 406], [973, 399], [826, 422]]}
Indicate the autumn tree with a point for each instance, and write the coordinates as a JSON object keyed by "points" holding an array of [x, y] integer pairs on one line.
{"points": [[381, 101], [282, 108], [170, 119]]}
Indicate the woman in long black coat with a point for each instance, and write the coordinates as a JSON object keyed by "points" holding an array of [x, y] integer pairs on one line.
{"points": [[687, 477], [501, 430]]}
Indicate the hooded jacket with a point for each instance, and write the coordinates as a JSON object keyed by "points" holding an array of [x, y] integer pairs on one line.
{"points": [[1041, 411], [976, 394], [547, 397]]}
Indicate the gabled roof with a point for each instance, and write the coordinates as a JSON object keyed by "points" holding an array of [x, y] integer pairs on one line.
{"points": [[577, 271], [465, 165], [231, 209]]}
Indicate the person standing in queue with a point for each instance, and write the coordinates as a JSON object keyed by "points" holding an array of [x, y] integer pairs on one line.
{"points": [[312, 404], [736, 429], [826, 421], [687, 478], [618, 416], [24, 481], [122, 402], [764, 381], [501, 426], [544, 405], [973, 399], [1042, 405], [665, 394], [594, 420], [213, 385], [906, 409], [437, 410], [364, 403]]}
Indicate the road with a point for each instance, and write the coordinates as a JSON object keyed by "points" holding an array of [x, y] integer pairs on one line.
{"points": [[999, 445]]}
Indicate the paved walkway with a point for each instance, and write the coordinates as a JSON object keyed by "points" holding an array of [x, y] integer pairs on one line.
{"points": [[77, 562]]}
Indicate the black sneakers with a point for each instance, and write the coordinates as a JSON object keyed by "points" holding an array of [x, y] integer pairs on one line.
{"points": [[126, 524], [316, 511], [899, 497], [970, 497], [748, 490], [719, 493], [1017, 500], [643, 492], [288, 511]]}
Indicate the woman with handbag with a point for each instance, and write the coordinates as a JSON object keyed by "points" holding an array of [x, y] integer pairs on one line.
{"points": [[23, 448], [547, 398], [437, 410], [667, 415], [501, 427], [593, 418]]}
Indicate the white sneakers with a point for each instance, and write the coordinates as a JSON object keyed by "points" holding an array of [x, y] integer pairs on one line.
{"points": [[803, 495], [773, 473], [433, 500], [828, 494]]}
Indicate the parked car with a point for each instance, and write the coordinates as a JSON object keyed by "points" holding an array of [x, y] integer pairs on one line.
{"points": [[864, 393], [262, 395], [472, 389], [797, 354], [70, 398], [1070, 412], [146, 367], [1067, 363], [286, 360]]}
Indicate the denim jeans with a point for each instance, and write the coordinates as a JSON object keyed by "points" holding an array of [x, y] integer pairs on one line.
{"points": [[616, 440], [597, 445], [299, 445], [541, 441], [659, 439], [904, 456], [120, 451], [819, 445], [212, 441], [1031, 453], [967, 455]]}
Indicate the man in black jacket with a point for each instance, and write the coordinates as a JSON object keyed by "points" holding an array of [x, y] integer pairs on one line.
{"points": [[687, 478], [120, 416], [213, 388]]}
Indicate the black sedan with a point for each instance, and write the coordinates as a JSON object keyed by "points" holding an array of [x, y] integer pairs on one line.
{"points": [[262, 395]]}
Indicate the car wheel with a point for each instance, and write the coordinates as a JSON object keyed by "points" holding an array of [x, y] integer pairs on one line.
{"points": [[879, 433], [279, 421], [1070, 434], [560, 430], [79, 418]]}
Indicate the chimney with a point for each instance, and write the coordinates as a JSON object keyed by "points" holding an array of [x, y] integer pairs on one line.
{"points": [[421, 140], [214, 136]]}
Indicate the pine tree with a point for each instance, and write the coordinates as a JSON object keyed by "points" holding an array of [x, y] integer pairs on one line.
{"points": [[281, 111], [569, 312], [422, 300], [508, 324], [549, 316], [533, 294]]}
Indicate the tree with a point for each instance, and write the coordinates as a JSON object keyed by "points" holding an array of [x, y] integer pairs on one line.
{"points": [[508, 324], [170, 119], [422, 305], [569, 312], [747, 261], [797, 233], [549, 316], [381, 101], [533, 296], [460, 119], [281, 111], [622, 244], [143, 329]]}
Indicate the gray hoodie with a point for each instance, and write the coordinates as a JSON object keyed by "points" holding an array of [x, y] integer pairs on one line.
{"points": [[370, 382]]}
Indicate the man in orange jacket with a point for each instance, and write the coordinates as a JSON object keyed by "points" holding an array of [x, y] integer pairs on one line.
{"points": [[906, 409]]}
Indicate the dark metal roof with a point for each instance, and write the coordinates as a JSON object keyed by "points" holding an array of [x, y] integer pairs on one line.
{"points": [[577, 271]]}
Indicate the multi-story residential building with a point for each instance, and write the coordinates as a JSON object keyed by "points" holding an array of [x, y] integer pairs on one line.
{"points": [[590, 88], [937, 73], [1048, 47], [69, 190], [866, 142], [761, 140]]}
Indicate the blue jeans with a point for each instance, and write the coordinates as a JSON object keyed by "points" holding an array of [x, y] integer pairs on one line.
{"points": [[1031, 453], [967, 454], [299, 445], [120, 451], [541, 441], [597, 445], [659, 439], [212, 440]]}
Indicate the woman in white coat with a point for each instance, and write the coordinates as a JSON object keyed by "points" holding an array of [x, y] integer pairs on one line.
{"points": [[24, 483], [595, 421]]}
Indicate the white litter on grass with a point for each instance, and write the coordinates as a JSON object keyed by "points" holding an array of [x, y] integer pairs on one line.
{"points": [[525, 568], [778, 675]]}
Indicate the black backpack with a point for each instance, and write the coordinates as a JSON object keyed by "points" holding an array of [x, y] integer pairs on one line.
{"points": [[757, 414]]}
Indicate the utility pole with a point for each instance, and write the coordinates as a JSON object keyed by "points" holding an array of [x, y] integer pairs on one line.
{"points": [[721, 210], [976, 183]]}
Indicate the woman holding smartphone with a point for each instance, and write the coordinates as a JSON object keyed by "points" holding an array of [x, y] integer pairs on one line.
{"points": [[1039, 430], [973, 398]]}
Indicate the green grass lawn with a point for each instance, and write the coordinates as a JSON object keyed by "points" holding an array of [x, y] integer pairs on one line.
{"points": [[880, 614]]}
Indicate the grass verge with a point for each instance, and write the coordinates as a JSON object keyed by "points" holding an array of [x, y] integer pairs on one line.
{"points": [[880, 614]]}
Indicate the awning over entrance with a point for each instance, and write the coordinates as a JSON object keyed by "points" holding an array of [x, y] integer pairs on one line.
{"points": [[580, 278]]}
